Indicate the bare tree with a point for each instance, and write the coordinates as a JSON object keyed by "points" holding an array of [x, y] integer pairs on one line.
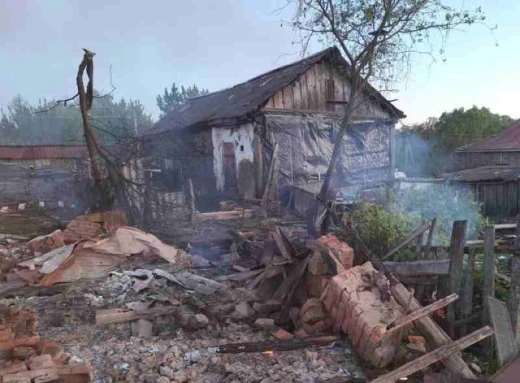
{"points": [[110, 181], [377, 38]]}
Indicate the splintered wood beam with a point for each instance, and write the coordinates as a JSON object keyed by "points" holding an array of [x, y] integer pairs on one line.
{"points": [[433, 333], [434, 356], [421, 312], [282, 245]]}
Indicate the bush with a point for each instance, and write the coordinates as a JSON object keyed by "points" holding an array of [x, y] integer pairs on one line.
{"points": [[379, 228]]}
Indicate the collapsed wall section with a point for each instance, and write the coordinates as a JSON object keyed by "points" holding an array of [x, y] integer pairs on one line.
{"points": [[361, 306]]}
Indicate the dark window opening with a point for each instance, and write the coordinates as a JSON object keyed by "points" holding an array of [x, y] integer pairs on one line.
{"points": [[241, 148]]}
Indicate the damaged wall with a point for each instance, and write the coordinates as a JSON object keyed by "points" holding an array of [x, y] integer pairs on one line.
{"points": [[306, 144], [233, 147]]}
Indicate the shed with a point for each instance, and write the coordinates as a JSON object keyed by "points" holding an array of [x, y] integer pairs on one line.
{"points": [[490, 168], [224, 141]]}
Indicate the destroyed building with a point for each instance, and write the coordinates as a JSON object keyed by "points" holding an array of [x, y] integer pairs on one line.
{"points": [[225, 141], [46, 174]]}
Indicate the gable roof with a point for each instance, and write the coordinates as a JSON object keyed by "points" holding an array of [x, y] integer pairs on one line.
{"points": [[508, 140], [249, 96]]}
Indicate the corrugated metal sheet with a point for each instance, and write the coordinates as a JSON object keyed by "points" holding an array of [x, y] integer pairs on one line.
{"points": [[247, 97], [509, 139], [42, 152]]}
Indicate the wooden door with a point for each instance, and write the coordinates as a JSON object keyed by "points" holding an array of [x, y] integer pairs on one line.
{"points": [[230, 169]]}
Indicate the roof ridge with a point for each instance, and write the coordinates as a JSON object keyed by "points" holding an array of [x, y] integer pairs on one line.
{"points": [[323, 52]]}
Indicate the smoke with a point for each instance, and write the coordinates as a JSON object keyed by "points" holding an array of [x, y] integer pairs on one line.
{"points": [[447, 203], [419, 157]]}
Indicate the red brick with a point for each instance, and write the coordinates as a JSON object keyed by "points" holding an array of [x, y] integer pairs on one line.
{"points": [[281, 334], [416, 339]]}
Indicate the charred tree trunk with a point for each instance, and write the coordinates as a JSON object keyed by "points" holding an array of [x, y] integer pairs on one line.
{"points": [[102, 195]]}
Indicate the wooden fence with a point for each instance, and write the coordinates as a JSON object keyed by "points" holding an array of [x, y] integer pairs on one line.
{"points": [[448, 276]]}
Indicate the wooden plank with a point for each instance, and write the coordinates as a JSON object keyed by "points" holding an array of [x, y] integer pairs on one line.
{"points": [[297, 95], [270, 176], [505, 338], [191, 193], [431, 232], [285, 250], [311, 86], [278, 100], [421, 312], [431, 330], [304, 87], [288, 98], [434, 356], [467, 291], [440, 267], [508, 373], [489, 267], [320, 86], [514, 295], [421, 229], [458, 238]]}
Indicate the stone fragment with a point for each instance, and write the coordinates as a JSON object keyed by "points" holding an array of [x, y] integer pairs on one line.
{"points": [[201, 320], [267, 307], [243, 310], [144, 328], [265, 323]]}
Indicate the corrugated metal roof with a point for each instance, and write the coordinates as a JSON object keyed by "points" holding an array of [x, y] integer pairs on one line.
{"points": [[46, 152], [485, 173], [508, 140], [249, 96]]}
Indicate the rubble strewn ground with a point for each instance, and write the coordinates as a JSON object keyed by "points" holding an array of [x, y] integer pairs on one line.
{"points": [[179, 347]]}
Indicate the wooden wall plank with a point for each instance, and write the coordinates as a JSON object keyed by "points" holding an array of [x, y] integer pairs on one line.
{"points": [[320, 86], [309, 77], [278, 100], [304, 85], [288, 98], [297, 95]]}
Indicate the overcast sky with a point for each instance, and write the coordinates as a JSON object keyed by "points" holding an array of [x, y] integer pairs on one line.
{"points": [[218, 43]]}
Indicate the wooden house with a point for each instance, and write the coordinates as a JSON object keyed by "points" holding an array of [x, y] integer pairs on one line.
{"points": [[224, 141], [490, 168]]}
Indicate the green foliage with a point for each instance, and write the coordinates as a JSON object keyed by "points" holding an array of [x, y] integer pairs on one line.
{"points": [[425, 149], [174, 97], [461, 127], [45, 124], [380, 228]]}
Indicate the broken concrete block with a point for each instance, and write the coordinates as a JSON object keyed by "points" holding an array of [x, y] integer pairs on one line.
{"points": [[201, 320], [267, 308], [243, 310], [144, 328]]}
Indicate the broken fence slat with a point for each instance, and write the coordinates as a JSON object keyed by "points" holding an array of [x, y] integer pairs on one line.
{"points": [[505, 338], [421, 229], [109, 316], [434, 356], [421, 312], [433, 332]]}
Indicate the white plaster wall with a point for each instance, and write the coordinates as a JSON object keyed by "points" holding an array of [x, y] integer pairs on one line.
{"points": [[242, 137]]}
